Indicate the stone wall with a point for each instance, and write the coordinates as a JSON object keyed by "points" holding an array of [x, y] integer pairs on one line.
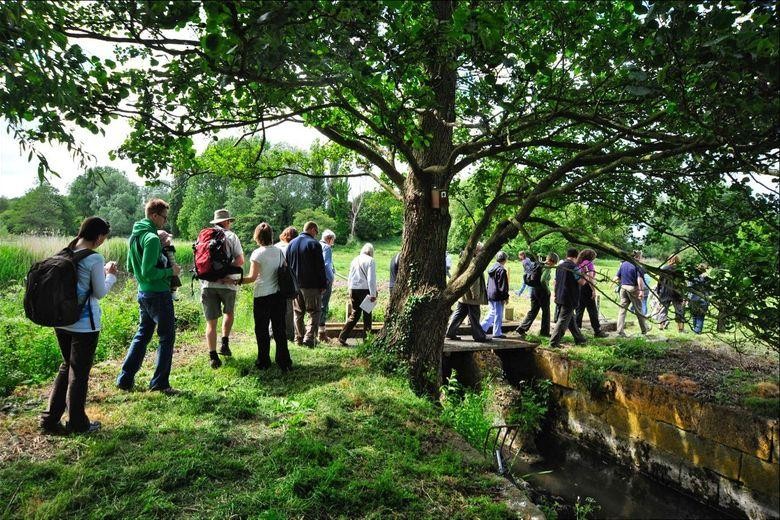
{"points": [[724, 456]]}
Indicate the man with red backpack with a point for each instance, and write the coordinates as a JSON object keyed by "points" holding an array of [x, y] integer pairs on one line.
{"points": [[147, 263], [218, 259]]}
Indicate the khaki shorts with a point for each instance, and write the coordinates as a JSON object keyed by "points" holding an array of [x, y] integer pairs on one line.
{"points": [[217, 301]]}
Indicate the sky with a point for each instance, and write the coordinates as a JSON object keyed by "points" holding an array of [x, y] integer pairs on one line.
{"points": [[17, 175]]}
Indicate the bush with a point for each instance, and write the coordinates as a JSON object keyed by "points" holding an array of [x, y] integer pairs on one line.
{"points": [[323, 220], [464, 411], [381, 216], [533, 406], [590, 378]]}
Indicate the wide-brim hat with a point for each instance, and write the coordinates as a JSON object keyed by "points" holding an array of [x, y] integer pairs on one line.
{"points": [[221, 215]]}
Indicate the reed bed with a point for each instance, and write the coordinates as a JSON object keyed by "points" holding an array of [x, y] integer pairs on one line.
{"points": [[18, 253]]}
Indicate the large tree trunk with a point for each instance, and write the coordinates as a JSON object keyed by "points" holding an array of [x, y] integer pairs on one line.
{"points": [[418, 313], [418, 309]]}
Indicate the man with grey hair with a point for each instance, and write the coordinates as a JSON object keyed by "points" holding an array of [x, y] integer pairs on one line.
{"points": [[304, 257], [327, 242], [362, 285], [497, 295]]}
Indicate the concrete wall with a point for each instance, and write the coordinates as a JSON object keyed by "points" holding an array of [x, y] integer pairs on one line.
{"points": [[724, 456]]}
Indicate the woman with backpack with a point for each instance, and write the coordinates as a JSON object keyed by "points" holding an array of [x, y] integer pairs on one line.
{"points": [[498, 296], [588, 292], [78, 341], [269, 303]]}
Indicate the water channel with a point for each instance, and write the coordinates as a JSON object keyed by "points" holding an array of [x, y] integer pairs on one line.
{"points": [[618, 491]]}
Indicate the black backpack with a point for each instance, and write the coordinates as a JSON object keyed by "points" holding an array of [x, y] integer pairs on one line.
{"points": [[50, 296], [288, 282], [533, 277]]}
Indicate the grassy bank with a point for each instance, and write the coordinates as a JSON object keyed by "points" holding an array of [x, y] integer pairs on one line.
{"points": [[332, 439]]}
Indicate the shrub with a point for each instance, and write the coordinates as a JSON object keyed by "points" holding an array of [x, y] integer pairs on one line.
{"points": [[464, 411], [590, 378], [533, 406]]}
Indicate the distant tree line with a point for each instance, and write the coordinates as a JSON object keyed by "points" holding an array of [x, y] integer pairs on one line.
{"points": [[291, 198]]}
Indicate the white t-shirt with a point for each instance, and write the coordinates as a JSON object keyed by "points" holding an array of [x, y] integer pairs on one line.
{"points": [[269, 259], [234, 250]]}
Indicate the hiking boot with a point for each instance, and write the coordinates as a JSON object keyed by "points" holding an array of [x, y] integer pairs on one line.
{"points": [[500, 336], [311, 343], [92, 427], [225, 349], [215, 361], [343, 342], [601, 334], [453, 338], [299, 342]]}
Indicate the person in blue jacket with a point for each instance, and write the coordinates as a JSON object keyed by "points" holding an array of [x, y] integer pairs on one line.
{"points": [[304, 257], [327, 243]]}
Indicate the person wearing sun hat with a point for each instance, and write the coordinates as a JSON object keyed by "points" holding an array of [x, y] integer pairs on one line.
{"points": [[219, 298]]}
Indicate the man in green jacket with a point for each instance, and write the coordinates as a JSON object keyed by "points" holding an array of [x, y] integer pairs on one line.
{"points": [[150, 268]]}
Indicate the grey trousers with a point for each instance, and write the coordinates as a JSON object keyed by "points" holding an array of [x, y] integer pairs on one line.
{"points": [[309, 301], [566, 320]]}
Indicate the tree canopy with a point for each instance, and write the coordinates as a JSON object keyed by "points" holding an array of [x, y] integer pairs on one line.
{"points": [[107, 192], [597, 104]]}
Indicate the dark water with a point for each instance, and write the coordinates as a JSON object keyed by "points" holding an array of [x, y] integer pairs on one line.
{"points": [[620, 492]]}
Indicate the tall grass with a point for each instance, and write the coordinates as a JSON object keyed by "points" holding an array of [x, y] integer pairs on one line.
{"points": [[18, 253], [29, 353]]}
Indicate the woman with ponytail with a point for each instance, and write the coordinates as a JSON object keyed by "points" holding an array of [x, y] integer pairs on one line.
{"points": [[79, 340]]}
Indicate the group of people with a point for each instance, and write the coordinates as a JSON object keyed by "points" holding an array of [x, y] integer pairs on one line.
{"points": [[151, 261], [574, 294], [309, 262]]}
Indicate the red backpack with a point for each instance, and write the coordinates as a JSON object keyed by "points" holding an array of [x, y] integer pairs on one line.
{"points": [[212, 261]]}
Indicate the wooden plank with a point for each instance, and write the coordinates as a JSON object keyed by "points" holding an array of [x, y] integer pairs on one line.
{"points": [[469, 345]]}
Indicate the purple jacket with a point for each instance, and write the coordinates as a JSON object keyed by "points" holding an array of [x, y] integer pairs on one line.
{"points": [[498, 284]]}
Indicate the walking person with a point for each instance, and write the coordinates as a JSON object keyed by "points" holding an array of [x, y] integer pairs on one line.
{"points": [[144, 261], [285, 237], [588, 292], [78, 341], [393, 271], [268, 304], [218, 298], [304, 256], [362, 284], [540, 301], [497, 295], [567, 295], [669, 294], [527, 265], [468, 306], [632, 289], [327, 243], [699, 298]]}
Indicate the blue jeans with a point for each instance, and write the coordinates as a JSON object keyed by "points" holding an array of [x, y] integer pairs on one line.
{"points": [[495, 317], [325, 302], [698, 324], [522, 288], [156, 310]]}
